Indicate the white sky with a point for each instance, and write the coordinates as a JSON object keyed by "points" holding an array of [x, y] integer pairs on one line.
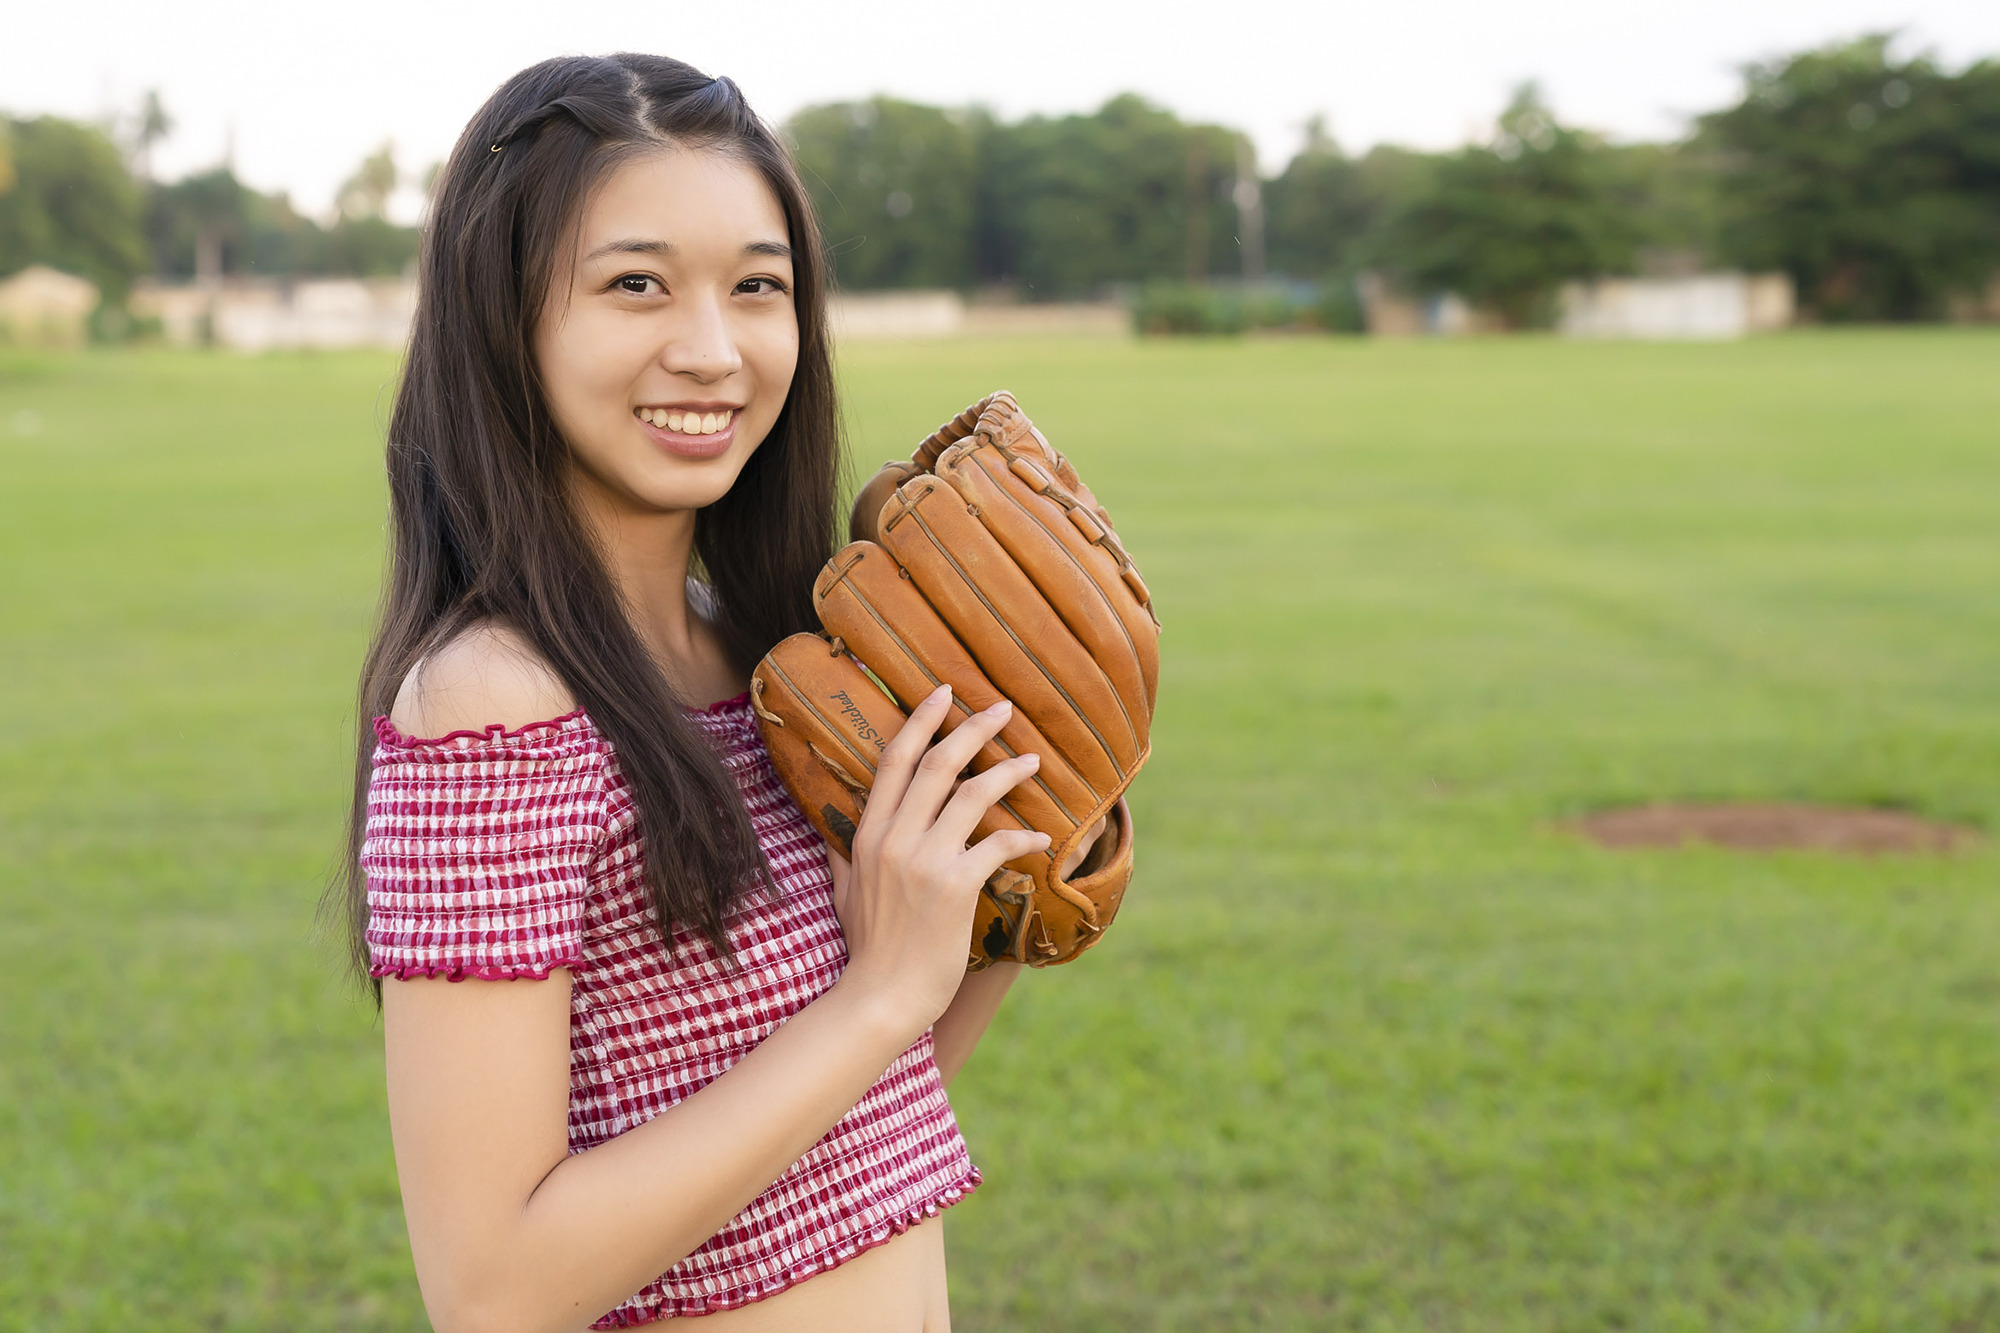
{"points": [[305, 91]]}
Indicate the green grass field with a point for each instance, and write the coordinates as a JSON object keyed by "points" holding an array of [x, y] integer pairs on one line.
{"points": [[1373, 1046]]}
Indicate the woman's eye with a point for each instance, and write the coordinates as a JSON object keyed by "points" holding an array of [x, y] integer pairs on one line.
{"points": [[760, 286], [638, 284]]}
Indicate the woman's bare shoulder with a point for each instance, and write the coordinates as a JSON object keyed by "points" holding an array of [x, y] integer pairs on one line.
{"points": [[486, 674]]}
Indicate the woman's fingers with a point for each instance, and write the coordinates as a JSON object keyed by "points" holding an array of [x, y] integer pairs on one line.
{"points": [[997, 849], [938, 771], [901, 755], [976, 795]]}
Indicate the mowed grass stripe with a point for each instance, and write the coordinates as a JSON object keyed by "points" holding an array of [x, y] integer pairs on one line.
{"points": [[1371, 1047]]}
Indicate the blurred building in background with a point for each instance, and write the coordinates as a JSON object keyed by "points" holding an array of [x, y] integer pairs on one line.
{"points": [[255, 315], [1695, 306], [861, 316], [43, 307]]}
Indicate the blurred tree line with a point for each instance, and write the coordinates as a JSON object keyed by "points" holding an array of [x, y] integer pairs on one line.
{"points": [[80, 198], [1873, 181]]}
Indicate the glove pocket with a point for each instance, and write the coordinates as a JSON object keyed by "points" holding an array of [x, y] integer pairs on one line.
{"points": [[1076, 912]]}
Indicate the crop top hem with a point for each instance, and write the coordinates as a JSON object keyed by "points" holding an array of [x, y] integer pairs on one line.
{"points": [[852, 1248]]}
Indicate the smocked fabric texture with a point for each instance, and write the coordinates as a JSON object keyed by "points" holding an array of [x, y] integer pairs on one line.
{"points": [[504, 854]]}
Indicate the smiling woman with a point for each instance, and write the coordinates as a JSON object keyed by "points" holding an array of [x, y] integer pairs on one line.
{"points": [[649, 329], [652, 1050]]}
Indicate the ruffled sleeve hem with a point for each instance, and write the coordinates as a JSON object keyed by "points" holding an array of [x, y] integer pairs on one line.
{"points": [[473, 971], [393, 737]]}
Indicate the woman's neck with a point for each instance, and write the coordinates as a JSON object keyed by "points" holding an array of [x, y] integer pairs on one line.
{"points": [[647, 555]]}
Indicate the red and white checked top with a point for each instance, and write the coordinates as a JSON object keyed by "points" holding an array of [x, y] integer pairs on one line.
{"points": [[503, 854]]}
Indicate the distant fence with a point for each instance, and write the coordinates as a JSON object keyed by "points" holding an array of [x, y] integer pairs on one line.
{"points": [[866, 316], [1699, 306], [252, 315], [1696, 306]]}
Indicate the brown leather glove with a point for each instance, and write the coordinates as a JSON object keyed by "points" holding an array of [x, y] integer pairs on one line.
{"points": [[986, 564]]}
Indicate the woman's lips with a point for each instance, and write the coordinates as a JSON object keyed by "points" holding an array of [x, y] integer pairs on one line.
{"points": [[692, 446]]}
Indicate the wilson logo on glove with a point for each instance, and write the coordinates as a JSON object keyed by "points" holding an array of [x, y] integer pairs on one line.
{"points": [[985, 563]]}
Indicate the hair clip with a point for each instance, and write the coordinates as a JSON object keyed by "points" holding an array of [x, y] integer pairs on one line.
{"points": [[496, 147]]}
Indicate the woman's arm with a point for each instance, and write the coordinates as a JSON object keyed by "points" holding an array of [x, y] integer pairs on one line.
{"points": [[958, 1031], [507, 1229]]}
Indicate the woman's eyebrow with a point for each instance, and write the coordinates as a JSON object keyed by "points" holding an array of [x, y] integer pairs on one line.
{"points": [[637, 246], [631, 246]]}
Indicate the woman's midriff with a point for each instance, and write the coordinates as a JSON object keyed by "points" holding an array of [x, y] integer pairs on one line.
{"points": [[897, 1287]]}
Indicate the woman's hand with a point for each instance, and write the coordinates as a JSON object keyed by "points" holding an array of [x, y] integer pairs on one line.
{"points": [[906, 905]]}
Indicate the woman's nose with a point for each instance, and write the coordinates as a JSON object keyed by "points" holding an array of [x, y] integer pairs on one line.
{"points": [[703, 345]]}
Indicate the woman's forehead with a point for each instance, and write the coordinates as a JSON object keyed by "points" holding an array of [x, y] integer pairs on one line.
{"points": [[683, 201]]}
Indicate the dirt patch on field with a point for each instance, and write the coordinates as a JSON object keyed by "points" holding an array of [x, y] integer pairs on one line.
{"points": [[1770, 826]]}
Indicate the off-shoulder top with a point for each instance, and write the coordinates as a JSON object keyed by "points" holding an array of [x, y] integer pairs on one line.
{"points": [[503, 854]]}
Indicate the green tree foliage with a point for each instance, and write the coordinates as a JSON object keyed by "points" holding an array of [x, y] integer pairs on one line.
{"points": [[1507, 223], [1323, 208], [915, 196], [893, 183], [254, 233], [71, 204], [1130, 192], [1876, 184], [366, 193]]}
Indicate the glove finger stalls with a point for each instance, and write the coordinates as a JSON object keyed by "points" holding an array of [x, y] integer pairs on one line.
{"points": [[1069, 563], [885, 622], [865, 523], [958, 428], [1019, 642]]}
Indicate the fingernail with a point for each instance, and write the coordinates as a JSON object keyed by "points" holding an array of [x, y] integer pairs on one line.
{"points": [[1034, 760], [941, 692], [1001, 709]]}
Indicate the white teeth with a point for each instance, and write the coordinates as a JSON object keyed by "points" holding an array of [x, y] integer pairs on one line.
{"points": [[689, 423]]}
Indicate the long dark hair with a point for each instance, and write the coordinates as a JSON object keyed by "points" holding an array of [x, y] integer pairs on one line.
{"points": [[482, 528]]}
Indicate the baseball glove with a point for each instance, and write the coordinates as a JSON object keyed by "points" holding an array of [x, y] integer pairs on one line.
{"points": [[986, 564]]}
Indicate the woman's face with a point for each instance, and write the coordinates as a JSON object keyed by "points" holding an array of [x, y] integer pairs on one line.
{"points": [[667, 345]]}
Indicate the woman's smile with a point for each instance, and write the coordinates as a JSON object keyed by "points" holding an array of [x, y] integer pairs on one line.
{"points": [[698, 431]]}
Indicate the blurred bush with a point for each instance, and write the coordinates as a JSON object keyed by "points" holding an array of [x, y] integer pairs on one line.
{"points": [[1167, 307]]}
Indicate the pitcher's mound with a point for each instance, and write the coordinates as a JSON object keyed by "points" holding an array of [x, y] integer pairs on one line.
{"points": [[1763, 827]]}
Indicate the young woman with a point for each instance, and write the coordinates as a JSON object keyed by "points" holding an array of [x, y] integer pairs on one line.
{"points": [[652, 1052]]}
